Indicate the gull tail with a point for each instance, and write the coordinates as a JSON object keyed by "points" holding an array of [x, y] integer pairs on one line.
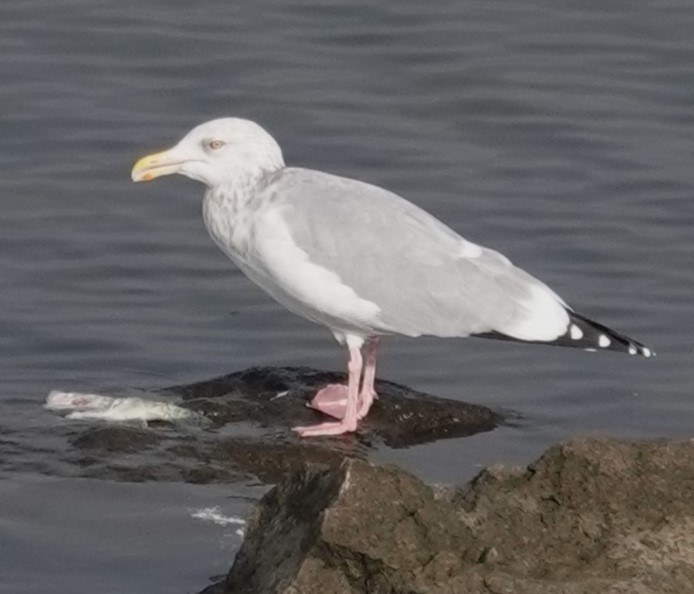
{"points": [[584, 333]]}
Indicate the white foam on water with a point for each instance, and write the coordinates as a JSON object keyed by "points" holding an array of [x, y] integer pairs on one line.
{"points": [[213, 514]]}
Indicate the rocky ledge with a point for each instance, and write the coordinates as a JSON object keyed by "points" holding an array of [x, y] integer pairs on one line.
{"points": [[589, 517]]}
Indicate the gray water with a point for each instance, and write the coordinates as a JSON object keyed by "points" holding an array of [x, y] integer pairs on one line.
{"points": [[560, 133]]}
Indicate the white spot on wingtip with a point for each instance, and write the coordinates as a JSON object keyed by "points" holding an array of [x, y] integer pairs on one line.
{"points": [[632, 349], [604, 341], [575, 332], [646, 352]]}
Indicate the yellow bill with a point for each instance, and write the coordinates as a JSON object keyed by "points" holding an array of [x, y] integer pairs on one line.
{"points": [[156, 165]]}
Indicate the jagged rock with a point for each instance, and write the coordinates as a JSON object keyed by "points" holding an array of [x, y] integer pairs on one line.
{"points": [[589, 517]]}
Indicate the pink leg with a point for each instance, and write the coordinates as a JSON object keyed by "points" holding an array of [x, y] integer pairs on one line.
{"points": [[349, 421], [331, 400], [368, 393]]}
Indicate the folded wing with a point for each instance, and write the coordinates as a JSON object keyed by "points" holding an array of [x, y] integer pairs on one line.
{"points": [[423, 277]]}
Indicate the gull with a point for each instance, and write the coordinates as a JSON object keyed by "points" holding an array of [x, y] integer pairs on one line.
{"points": [[360, 260]]}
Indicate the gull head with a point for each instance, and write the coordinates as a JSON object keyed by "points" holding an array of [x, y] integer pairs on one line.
{"points": [[218, 152]]}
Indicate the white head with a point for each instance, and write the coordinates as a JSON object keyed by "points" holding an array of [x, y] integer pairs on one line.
{"points": [[216, 153]]}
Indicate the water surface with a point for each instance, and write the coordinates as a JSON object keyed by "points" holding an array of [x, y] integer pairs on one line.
{"points": [[560, 133]]}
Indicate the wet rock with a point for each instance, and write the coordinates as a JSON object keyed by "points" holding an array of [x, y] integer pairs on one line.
{"points": [[242, 431], [117, 438], [589, 517], [245, 458], [276, 398]]}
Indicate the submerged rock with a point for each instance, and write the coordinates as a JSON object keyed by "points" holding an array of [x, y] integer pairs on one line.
{"points": [[589, 517], [236, 427], [120, 438]]}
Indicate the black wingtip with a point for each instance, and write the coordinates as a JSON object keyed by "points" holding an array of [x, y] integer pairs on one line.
{"points": [[594, 336], [584, 333]]}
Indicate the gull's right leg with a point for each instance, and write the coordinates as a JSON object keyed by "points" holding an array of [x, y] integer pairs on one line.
{"points": [[332, 400]]}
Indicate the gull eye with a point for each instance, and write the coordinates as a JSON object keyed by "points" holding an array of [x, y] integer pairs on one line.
{"points": [[215, 145]]}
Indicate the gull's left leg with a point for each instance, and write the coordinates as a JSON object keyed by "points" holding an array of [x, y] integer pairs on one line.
{"points": [[349, 421], [368, 393]]}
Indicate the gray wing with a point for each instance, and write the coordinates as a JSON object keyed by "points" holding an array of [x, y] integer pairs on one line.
{"points": [[425, 278]]}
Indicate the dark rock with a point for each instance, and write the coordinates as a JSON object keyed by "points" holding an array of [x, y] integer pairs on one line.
{"points": [[589, 517], [245, 458], [401, 417], [116, 438], [256, 409]]}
